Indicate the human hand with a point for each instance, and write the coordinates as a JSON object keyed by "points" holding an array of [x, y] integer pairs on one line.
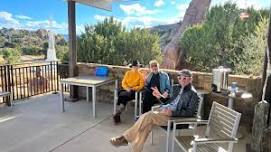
{"points": [[165, 94], [154, 89], [128, 89], [156, 92]]}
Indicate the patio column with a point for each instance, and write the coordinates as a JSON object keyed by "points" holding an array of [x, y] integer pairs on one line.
{"points": [[72, 46]]}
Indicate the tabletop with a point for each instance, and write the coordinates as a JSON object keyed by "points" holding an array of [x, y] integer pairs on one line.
{"points": [[86, 80]]}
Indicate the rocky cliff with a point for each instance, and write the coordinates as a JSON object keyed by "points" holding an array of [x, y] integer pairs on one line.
{"points": [[165, 32], [173, 55]]}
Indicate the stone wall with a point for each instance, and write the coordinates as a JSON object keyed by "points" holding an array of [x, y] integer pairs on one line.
{"points": [[201, 80]]}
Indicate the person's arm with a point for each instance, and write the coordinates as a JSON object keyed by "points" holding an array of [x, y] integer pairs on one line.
{"points": [[190, 110], [141, 83], [167, 89], [148, 79], [124, 83]]}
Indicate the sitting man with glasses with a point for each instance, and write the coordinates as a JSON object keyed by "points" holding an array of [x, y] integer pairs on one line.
{"points": [[183, 105], [157, 87]]}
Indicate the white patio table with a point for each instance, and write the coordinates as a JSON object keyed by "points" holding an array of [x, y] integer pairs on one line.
{"points": [[89, 81]]}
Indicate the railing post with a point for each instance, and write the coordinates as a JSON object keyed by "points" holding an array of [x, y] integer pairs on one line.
{"points": [[51, 73], [5, 87], [57, 74], [55, 77], [9, 84]]}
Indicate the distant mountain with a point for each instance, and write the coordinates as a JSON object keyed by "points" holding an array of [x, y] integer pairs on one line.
{"points": [[11, 38], [165, 32], [66, 36]]}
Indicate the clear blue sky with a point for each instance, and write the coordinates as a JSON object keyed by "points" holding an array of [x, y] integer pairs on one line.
{"points": [[35, 14]]}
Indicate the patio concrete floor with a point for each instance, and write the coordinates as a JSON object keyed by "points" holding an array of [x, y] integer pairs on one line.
{"points": [[38, 125]]}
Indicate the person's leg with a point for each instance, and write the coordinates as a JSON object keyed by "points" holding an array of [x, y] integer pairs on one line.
{"points": [[121, 101], [148, 101], [129, 135], [123, 98], [139, 132], [141, 139], [120, 106]]}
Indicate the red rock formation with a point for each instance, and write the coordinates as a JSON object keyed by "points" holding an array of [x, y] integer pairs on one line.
{"points": [[173, 55]]}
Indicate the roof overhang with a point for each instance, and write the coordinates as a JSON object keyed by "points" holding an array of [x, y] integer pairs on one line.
{"points": [[101, 4]]}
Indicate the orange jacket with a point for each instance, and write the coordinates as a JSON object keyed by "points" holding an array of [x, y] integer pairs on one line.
{"points": [[133, 80]]}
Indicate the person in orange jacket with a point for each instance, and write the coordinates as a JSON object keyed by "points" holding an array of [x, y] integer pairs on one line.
{"points": [[132, 82]]}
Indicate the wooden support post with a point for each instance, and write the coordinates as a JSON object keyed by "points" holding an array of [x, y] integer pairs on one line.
{"points": [[72, 47]]}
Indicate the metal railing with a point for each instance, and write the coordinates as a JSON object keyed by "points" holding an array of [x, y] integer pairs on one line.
{"points": [[24, 81]]}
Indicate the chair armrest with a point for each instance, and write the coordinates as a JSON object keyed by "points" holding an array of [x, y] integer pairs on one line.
{"points": [[181, 119], [190, 121], [213, 140]]}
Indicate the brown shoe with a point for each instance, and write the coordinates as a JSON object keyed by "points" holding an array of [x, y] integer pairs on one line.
{"points": [[116, 118], [119, 141]]}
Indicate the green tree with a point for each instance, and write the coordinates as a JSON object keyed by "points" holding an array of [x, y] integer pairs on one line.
{"points": [[250, 61], [108, 28], [109, 43], [138, 44], [2, 41], [2, 60], [201, 47], [218, 41], [32, 50], [62, 53], [11, 55]]}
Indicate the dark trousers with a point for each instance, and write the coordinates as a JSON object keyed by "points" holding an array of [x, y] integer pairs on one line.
{"points": [[125, 96], [149, 100]]}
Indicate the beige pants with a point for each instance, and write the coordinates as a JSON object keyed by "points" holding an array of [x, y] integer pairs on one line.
{"points": [[139, 132]]}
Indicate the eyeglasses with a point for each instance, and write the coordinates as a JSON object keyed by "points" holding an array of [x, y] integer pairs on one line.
{"points": [[180, 77]]}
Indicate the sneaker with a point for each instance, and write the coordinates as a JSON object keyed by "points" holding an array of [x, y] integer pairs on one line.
{"points": [[116, 118], [119, 141]]}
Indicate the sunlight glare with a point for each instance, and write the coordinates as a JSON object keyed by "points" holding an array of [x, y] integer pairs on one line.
{"points": [[7, 118]]}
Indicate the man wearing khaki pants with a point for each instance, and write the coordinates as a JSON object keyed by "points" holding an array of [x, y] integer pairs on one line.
{"points": [[184, 105]]}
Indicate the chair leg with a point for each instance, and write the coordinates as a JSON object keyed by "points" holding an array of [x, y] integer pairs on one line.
{"points": [[136, 102], [140, 104], [9, 97], [152, 137], [172, 140], [11, 100], [168, 135]]}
